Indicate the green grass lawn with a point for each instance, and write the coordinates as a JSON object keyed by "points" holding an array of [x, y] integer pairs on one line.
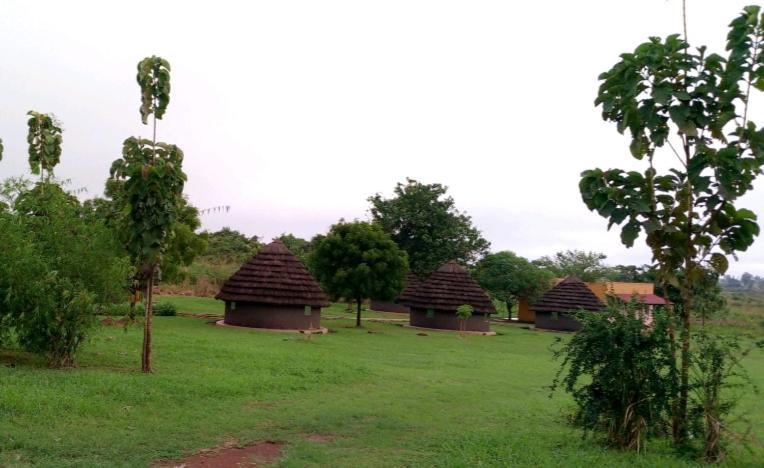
{"points": [[382, 395]]}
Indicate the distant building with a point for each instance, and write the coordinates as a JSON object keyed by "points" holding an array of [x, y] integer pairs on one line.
{"points": [[553, 310], [412, 282], [273, 290], [433, 303]]}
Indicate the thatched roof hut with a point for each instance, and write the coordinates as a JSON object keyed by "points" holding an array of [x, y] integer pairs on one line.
{"points": [[273, 290], [433, 302], [553, 309]]}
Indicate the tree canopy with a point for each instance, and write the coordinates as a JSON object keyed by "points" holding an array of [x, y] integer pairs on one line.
{"points": [[508, 277], [587, 266], [358, 260], [425, 223]]}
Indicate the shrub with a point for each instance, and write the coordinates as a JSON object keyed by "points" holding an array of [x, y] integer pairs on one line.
{"points": [[166, 309], [621, 374]]}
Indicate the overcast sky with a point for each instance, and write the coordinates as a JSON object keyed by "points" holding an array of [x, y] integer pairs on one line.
{"points": [[294, 113]]}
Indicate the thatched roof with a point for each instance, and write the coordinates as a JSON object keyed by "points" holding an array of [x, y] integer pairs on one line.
{"points": [[412, 283], [273, 276], [448, 288], [570, 294]]}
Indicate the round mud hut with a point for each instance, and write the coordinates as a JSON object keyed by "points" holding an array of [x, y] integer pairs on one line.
{"points": [[273, 290], [433, 302], [553, 310], [412, 282]]}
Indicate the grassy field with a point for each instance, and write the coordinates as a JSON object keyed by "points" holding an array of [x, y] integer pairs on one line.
{"points": [[379, 396]]}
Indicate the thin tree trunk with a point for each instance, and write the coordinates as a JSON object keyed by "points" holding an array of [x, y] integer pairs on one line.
{"points": [[146, 358], [358, 314], [684, 384]]}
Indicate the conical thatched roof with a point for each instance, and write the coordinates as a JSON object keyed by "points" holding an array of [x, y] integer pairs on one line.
{"points": [[448, 288], [412, 283], [570, 294], [273, 276]]}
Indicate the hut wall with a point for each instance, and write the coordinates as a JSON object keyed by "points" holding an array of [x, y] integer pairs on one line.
{"points": [[388, 306], [272, 316], [447, 320], [556, 321], [524, 312]]}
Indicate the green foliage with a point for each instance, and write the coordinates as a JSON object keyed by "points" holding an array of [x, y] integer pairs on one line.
{"points": [[424, 222], [717, 380], [1, 149], [621, 375], [61, 265], [509, 277], [165, 309], [688, 212], [153, 187], [154, 80], [587, 266], [300, 247], [464, 311], [230, 246], [44, 140], [358, 260]]}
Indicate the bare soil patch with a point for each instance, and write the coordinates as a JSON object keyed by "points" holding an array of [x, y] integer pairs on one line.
{"points": [[229, 456]]}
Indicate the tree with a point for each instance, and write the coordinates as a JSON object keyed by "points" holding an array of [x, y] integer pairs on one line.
{"points": [[57, 268], [464, 312], [153, 185], [300, 247], [1, 149], [424, 222], [665, 90], [230, 246], [509, 277], [587, 266], [358, 260], [44, 140]]}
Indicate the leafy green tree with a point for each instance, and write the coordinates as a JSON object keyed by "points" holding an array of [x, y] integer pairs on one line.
{"points": [[665, 91], [425, 223], [44, 140], [153, 187], [587, 266], [358, 260], [59, 266], [464, 312], [509, 277], [300, 247], [1, 149], [230, 246]]}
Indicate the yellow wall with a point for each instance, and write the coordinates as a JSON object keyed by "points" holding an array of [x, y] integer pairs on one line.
{"points": [[524, 312]]}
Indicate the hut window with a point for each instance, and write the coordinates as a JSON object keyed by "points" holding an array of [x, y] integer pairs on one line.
{"points": [[430, 313], [233, 305], [555, 316], [308, 310]]}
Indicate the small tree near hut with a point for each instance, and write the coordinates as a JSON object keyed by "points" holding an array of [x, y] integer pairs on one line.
{"points": [[686, 109], [464, 312], [153, 187], [358, 260]]}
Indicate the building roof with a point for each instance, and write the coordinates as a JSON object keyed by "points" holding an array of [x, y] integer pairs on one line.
{"points": [[570, 294], [448, 288], [412, 283], [273, 276], [647, 299]]}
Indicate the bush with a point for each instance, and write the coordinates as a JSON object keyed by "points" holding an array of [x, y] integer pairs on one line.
{"points": [[57, 266], [120, 310], [621, 374], [166, 309]]}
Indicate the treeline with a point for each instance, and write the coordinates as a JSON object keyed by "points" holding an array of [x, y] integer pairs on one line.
{"points": [[747, 282]]}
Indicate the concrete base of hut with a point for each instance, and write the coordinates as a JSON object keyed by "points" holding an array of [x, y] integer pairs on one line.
{"points": [[556, 321], [447, 320], [443, 330], [311, 331], [253, 315]]}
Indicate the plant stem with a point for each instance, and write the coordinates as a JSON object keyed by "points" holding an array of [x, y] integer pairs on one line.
{"points": [[149, 310]]}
